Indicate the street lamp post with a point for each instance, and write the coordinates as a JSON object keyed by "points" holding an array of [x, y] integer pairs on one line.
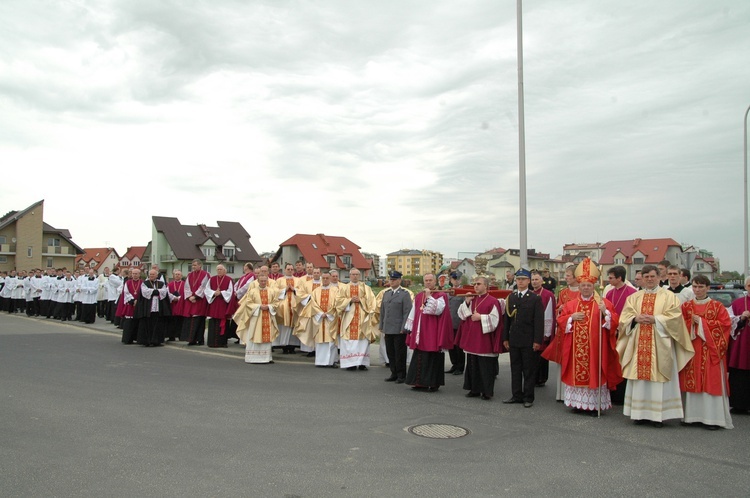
{"points": [[746, 268], [521, 141]]}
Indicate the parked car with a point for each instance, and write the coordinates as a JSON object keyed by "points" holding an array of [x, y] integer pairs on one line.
{"points": [[725, 296]]}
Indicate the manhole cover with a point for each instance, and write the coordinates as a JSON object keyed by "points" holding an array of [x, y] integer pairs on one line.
{"points": [[438, 431]]}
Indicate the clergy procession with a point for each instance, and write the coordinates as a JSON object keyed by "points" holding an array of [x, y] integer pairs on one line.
{"points": [[660, 348]]}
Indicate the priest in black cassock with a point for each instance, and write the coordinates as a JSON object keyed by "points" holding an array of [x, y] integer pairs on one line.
{"points": [[152, 308]]}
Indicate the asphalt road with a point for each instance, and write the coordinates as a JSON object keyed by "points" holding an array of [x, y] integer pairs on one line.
{"points": [[84, 415]]}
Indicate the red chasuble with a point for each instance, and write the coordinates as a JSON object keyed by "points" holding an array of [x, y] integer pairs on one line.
{"points": [[435, 331], [470, 336], [703, 374], [579, 349]]}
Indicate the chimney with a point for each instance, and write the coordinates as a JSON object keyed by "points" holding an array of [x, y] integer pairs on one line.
{"points": [[636, 242]]}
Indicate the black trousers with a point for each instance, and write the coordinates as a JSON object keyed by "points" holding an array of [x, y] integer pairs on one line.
{"points": [[523, 365], [88, 313], [35, 307], [542, 371], [458, 358], [101, 308], [395, 348], [111, 308]]}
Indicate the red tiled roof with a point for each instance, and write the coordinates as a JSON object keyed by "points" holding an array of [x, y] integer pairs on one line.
{"points": [[98, 254], [134, 252], [314, 248], [654, 250], [496, 250]]}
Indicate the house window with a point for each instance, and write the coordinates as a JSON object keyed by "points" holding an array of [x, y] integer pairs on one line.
{"points": [[3, 259], [53, 242], [49, 262], [189, 234], [314, 246], [347, 261], [30, 251], [229, 254], [230, 268], [331, 260], [207, 268], [637, 261], [207, 251], [3, 239]]}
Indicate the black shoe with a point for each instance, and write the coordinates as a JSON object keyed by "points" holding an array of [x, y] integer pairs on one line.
{"points": [[640, 422], [433, 389], [711, 427], [541, 384], [399, 381], [451, 370], [512, 400], [392, 378], [486, 398], [362, 367], [387, 365], [472, 395], [351, 369], [658, 425], [528, 404], [458, 372], [311, 354]]}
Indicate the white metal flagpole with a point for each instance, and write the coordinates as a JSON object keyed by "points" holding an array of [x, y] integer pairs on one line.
{"points": [[599, 408]]}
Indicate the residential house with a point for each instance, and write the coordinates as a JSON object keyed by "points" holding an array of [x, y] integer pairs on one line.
{"points": [[701, 262], [466, 267], [375, 258], [133, 258], [511, 260], [174, 246], [576, 252], [414, 262], [325, 252], [27, 242], [97, 258], [634, 254]]}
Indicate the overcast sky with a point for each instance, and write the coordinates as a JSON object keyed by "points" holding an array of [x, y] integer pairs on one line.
{"points": [[392, 123]]}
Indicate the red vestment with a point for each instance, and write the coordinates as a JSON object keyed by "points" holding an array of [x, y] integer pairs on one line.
{"points": [[470, 336], [579, 349], [431, 333], [194, 287], [703, 373], [219, 308], [177, 287]]}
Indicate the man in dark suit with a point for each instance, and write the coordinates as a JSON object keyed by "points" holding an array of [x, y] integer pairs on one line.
{"points": [[457, 355], [523, 332], [394, 310]]}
